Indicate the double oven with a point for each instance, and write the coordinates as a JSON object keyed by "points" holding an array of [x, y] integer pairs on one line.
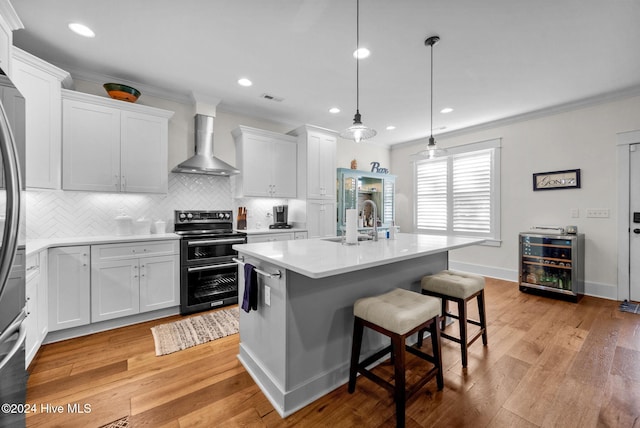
{"points": [[208, 275]]}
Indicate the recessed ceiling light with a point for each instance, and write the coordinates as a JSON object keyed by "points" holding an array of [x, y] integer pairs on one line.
{"points": [[446, 110], [334, 110], [361, 53], [245, 82], [81, 29], [390, 128]]}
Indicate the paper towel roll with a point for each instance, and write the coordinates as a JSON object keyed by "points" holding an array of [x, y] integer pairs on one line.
{"points": [[352, 226]]}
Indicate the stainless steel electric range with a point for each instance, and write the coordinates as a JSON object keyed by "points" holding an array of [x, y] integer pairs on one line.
{"points": [[208, 275]]}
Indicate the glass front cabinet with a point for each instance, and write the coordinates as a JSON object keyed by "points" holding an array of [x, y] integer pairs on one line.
{"points": [[552, 264], [355, 187]]}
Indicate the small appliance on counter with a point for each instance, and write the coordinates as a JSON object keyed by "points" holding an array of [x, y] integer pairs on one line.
{"points": [[280, 217]]}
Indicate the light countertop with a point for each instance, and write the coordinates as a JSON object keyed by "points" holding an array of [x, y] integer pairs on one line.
{"points": [[319, 258], [36, 245]]}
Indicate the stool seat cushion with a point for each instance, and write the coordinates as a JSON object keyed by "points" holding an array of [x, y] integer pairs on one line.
{"points": [[399, 310], [452, 283]]}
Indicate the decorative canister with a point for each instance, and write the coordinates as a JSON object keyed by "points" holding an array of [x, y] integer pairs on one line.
{"points": [[124, 224]]}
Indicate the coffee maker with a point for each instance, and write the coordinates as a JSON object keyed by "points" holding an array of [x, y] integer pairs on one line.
{"points": [[280, 217]]}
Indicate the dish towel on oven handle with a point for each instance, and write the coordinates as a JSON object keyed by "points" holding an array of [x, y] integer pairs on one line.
{"points": [[250, 298]]}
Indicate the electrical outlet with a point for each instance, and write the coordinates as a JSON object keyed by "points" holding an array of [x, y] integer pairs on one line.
{"points": [[575, 213], [267, 295], [597, 213]]}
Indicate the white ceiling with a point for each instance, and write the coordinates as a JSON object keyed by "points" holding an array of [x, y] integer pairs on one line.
{"points": [[496, 58]]}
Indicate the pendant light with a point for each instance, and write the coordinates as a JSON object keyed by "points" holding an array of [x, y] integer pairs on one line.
{"points": [[358, 132], [432, 149]]}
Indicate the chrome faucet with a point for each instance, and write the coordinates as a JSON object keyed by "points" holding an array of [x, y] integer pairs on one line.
{"points": [[375, 217]]}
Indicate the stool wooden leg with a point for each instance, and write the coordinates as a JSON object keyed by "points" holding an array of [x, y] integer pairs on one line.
{"points": [[400, 392], [462, 320], [445, 305], [437, 352], [483, 318], [356, 344]]}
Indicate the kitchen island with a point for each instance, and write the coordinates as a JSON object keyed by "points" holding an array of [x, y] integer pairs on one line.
{"points": [[297, 344]]}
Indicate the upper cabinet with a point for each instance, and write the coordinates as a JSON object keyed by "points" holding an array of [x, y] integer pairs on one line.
{"points": [[113, 146], [40, 83], [9, 22], [267, 163], [316, 163]]}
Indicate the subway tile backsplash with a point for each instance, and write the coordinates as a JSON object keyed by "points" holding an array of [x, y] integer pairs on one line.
{"points": [[60, 214]]}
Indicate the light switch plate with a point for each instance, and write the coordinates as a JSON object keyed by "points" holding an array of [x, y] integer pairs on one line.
{"points": [[575, 213]]}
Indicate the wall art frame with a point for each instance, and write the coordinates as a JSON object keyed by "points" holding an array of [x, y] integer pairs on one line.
{"points": [[555, 180]]}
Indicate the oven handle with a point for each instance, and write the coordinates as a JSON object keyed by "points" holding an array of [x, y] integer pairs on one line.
{"points": [[208, 267], [277, 274], [215, 241]]}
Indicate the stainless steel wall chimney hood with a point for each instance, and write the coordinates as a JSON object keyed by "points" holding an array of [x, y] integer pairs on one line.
{"points": [[203, 162]]}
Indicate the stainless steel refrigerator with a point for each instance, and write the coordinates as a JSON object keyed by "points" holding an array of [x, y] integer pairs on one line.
{"points": [[13, 376]]}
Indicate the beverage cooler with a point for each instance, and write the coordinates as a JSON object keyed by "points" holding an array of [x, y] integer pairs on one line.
{"points": [[552, 264]]}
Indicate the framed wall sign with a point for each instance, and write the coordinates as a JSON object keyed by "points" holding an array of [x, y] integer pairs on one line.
{"points": [[568, 179]]}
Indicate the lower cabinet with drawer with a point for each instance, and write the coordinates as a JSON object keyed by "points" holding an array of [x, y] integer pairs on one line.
{"points": [[36, 294], [69, 287], [130, 278]]}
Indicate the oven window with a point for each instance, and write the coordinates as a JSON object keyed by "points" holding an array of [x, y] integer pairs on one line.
{"points": [[212, 283], [198, 251]]}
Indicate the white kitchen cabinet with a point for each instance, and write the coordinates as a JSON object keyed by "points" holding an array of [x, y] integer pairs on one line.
{"points": [[36, 304], [113, 146], [129, 278], [14, 106], [40, 83], [316, 162], [69, 287], [9, 22], [300, 235], [270, 237], [321, 218], [267, 163]]}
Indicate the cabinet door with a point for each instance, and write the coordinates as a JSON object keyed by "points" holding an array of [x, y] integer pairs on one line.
{"points": [[256, 166], [43, 297], [69, 287], [321, 166], [14, 106], [283, 165], [31, 322], [91, 147], [159, 282], [115, 289], [321, 219], [43, 124], [143, 153]]}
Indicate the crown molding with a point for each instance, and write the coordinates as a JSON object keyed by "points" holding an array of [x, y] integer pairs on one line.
{"points": [[8, 13]]}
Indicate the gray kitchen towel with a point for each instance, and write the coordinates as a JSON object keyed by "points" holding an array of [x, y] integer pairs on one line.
{"points": [[250, 298]]}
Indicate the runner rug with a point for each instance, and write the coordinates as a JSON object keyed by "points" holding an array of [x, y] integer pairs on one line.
{"points": [[192, 331], [627, 306]]}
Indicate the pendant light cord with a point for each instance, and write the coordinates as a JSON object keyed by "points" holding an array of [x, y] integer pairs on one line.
{"points": [[357, 56], [431, 95]]}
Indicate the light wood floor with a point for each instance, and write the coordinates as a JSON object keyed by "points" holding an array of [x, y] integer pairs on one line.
{"points": [[548, 363]]}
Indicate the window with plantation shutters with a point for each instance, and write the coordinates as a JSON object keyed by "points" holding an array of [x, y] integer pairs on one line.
{"points": [[459, 194]]}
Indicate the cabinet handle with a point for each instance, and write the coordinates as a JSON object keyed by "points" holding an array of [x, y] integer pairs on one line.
{"points": [[117, 184]]}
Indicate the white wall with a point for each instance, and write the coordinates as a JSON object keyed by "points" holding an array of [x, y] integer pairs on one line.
{"points": [[583, 138], [364, 153]]}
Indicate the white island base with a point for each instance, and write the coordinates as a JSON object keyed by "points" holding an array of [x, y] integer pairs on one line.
{"points": [[297, 344]]}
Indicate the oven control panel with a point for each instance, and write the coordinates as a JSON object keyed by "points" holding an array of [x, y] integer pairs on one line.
{"points": [[202, 217]]}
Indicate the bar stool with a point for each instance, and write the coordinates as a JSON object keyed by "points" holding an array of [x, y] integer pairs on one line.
{"points": [[458, 287], [397, 314]]}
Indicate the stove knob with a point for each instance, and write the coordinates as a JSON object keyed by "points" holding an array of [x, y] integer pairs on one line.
{"points": [[182, 216], [227, 216], [220, 215], [189, 216]]}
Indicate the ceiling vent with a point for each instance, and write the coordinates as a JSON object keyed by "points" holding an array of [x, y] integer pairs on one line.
{"points": [[271, 97]]}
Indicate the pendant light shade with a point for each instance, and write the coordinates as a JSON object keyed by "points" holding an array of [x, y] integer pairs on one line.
{"points": [[358, 132], [432, 149]]}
